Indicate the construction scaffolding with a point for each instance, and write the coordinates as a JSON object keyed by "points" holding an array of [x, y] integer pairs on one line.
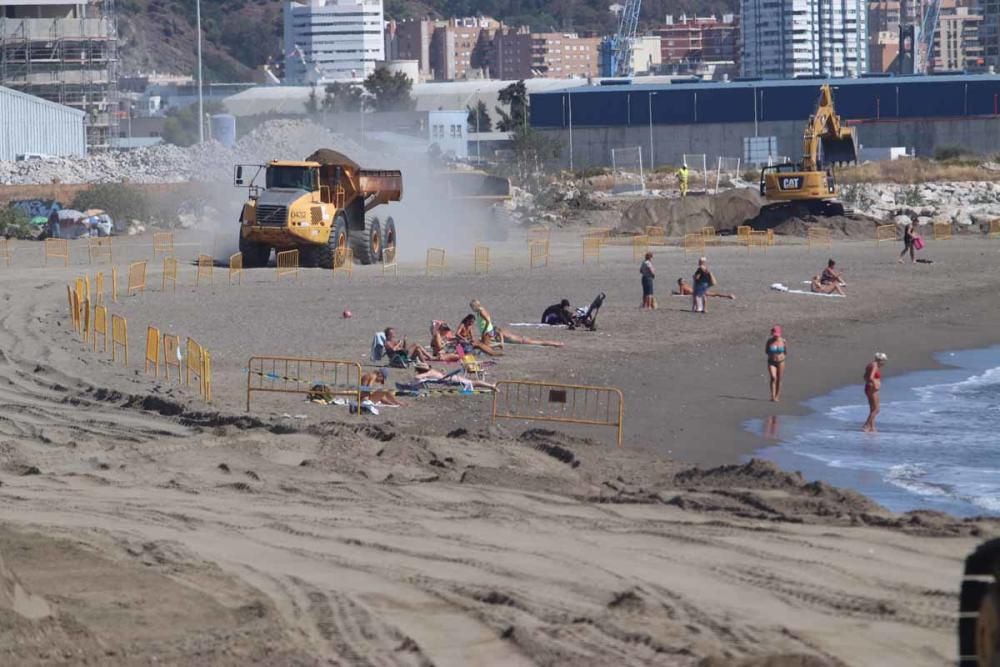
{"points": [[65, 53]]}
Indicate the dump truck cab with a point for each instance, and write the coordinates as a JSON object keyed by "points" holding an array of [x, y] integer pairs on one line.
{"points": [[318, 206]]}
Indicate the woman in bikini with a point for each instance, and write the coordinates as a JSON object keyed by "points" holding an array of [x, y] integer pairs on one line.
{"points": [[439, 345], [466, 335], [775, 349], [873, 383], [489, 334]]}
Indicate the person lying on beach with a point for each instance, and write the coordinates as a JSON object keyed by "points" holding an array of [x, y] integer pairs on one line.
{"points": [[398, 348], [439, 344], [683, 289], [424, 373], [492, 335], [368, 392], [559, 313]]}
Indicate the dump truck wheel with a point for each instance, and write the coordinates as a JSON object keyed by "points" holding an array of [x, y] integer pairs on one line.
{"points": [[367, 243], [338, 239], [388, 233], [255, 255]]}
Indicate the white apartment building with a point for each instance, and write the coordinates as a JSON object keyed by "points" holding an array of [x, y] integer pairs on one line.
{"points": [[782, 39], [327, 40]]}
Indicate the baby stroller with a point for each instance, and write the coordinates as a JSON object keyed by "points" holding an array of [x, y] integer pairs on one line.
{"points": [[588, 317]]}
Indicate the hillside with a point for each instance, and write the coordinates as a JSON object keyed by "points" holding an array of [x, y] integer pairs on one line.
{"points": [[240, 35]]}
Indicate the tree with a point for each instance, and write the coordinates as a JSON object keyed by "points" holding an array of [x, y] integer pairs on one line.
{"points": [[531, 153], [390, 91], [515, 96], [181, 125], [342, 97], [479, 118]]}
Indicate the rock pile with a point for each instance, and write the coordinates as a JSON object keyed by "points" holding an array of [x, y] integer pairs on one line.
{"points": [[959, 203], [209, 162]]}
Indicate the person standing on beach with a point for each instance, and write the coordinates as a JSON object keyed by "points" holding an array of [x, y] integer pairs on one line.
{"points": [[873, 383], [775, 349], [702, 280], [682, 178], [908, 241], [648, 273]]}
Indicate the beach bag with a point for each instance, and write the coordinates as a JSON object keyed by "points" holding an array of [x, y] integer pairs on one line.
{"points": [[918, 243]]}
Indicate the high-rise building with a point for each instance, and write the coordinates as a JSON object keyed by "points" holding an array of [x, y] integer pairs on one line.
{"points": [[692, 40], [65, 52], [956, 43], [989, 33], [522, 54], [332, 39], [447, 50], [790, 38]]}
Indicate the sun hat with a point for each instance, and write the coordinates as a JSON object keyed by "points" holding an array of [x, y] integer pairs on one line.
{"points": [[776, 329], [881, 356], [421, 366]]}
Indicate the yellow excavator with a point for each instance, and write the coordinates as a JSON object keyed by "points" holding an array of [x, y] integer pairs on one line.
{"points": [[825, 143]]}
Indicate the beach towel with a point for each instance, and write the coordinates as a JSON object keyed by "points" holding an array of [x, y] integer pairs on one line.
{"points": [[778, 287], [537, 325], [378, 347]]}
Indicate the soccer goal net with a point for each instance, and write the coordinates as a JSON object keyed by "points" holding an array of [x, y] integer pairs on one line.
{"points": [[626, 169]]}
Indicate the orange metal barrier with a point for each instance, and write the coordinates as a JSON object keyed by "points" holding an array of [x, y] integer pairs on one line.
{"points": [[818, 236], [74, 308], [136, 277], [152, 350], [389, 261], [942, 231], [757, 240], [199, 365], [481, 259], [98, 248], [560, 403], [640, 246], [657, 235], [119, 337], [5, 251], [114, 284], [297, 375], [538, 254], [539, 233], [770, 237], [435, 261], [205, 265], [884, 233], [343, 262], [99, 288], [163, 243], [236, 268], [992, 232], [709, 234], [101, 326], [597, 233], [171, 355], [56, 249], [288, 264], [169, 273], [743, 232], [694, 243], [591, 248], [86, 321]]}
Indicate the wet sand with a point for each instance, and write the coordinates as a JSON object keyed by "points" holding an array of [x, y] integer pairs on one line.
{"points": [[425, 535]]}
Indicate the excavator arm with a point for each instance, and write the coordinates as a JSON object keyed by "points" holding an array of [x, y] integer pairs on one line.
{"points": [[825, 132]]}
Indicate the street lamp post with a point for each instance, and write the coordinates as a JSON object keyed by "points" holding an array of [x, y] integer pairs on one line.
{"points": [[652, 162], [479, 154], [569, 98], [201, 101]]}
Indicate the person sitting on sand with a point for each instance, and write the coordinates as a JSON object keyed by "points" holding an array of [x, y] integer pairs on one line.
{"points": [[831, 276], [396, 349], [368, 392], [467, 338], [559, 313], [490, 334], [683, 289], [817, 285], [439, 344], [873, 384], [775, 349]]}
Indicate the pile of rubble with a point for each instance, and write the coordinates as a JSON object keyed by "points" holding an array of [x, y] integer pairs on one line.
{"points": [[211, 162], [959, 203]]}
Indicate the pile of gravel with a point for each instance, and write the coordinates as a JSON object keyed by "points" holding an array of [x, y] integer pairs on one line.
{"points": [[209, 162]]}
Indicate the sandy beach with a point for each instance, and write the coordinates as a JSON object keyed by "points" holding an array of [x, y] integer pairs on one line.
{"points": [[140, 522]]}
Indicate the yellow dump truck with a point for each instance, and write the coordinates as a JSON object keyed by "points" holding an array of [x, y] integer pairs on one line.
{"points": [[317, 206]]}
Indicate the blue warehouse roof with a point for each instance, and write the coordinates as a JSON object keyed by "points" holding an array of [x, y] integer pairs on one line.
{"points": [[858, 100]]}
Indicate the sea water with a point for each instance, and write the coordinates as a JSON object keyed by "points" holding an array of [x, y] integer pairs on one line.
{"points": [[937, 446]]}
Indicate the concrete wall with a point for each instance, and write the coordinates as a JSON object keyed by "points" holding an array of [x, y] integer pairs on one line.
{"points": [[592, 145]]}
